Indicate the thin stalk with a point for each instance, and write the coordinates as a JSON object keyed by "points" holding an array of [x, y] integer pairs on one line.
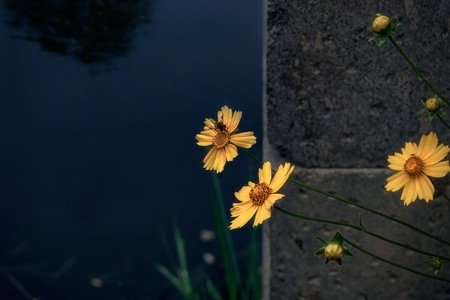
{"points": [[417, 71], [227, 249], [441, 192], [359, 228], [394, 263], [443, 121], [374, 211]]}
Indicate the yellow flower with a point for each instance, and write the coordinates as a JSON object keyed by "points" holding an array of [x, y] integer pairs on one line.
{"points": [[222, 136], [415, 164], [260, 197]]}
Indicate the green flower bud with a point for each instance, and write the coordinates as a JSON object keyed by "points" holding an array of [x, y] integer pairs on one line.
{"points": [[380, 23], [432, 104], [435, 264]]}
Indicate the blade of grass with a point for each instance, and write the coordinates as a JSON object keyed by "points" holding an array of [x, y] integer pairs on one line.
{"points": [[226, 244]]}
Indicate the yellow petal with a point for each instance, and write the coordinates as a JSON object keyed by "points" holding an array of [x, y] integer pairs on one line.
{"points": [[410, 149], [265, 174], [262, 214], [437, 170], [230, 152], [424, 187], [397, 161], [271, 199], [427, 145], [439, 154], [243, 194], [243, 139], [396, 181], [281, 176], [243, 218], [234, 122], [409, 194]]}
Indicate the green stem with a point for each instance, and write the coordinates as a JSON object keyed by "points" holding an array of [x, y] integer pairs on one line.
{"points": [[358, 205], [443, 121], [370, 210], [417, 71], [228, 253], [441, 192], [359, 228], [394, 263]]}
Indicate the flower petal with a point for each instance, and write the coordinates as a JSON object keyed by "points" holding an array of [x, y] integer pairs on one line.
{"points": [[396, 181], [281, 176], [262, 214], [243, 139], [265, 174]]}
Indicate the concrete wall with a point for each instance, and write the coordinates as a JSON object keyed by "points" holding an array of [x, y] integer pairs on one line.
{"points": [[337, 105]]}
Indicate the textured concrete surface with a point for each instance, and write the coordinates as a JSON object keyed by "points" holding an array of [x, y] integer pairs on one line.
{"points": [[336, 105]]}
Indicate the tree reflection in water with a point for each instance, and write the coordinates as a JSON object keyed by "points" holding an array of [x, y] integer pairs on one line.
{"points": [[93, 32]]}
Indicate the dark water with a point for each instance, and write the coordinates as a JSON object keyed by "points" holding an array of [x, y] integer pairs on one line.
{"points": [[100, 103]]}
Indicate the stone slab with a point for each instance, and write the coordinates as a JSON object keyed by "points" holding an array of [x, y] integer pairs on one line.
{"points": [[336, 105], [333, 99]]}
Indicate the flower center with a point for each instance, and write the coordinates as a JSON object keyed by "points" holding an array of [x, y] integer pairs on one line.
{"points": [[221, 139], [413, 166], [259, 193]]}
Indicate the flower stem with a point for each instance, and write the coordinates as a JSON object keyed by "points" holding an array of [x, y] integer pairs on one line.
{"points": [[441, 192], [359, 228], [394, 263], [417, 71], [370, 210], [358, 205], [443, 121]]}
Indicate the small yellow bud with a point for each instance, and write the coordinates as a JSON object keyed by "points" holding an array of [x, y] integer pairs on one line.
{"points": [[334, 251], [432, 104], [380, 23]]}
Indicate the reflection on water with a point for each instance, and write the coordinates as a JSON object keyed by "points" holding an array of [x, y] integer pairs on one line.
{"points": [[93, 32], [80, 206]]}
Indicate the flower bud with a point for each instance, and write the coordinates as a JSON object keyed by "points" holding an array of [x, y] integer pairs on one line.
{"points": [[380, 23], [432, 104], [334, 251]]}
